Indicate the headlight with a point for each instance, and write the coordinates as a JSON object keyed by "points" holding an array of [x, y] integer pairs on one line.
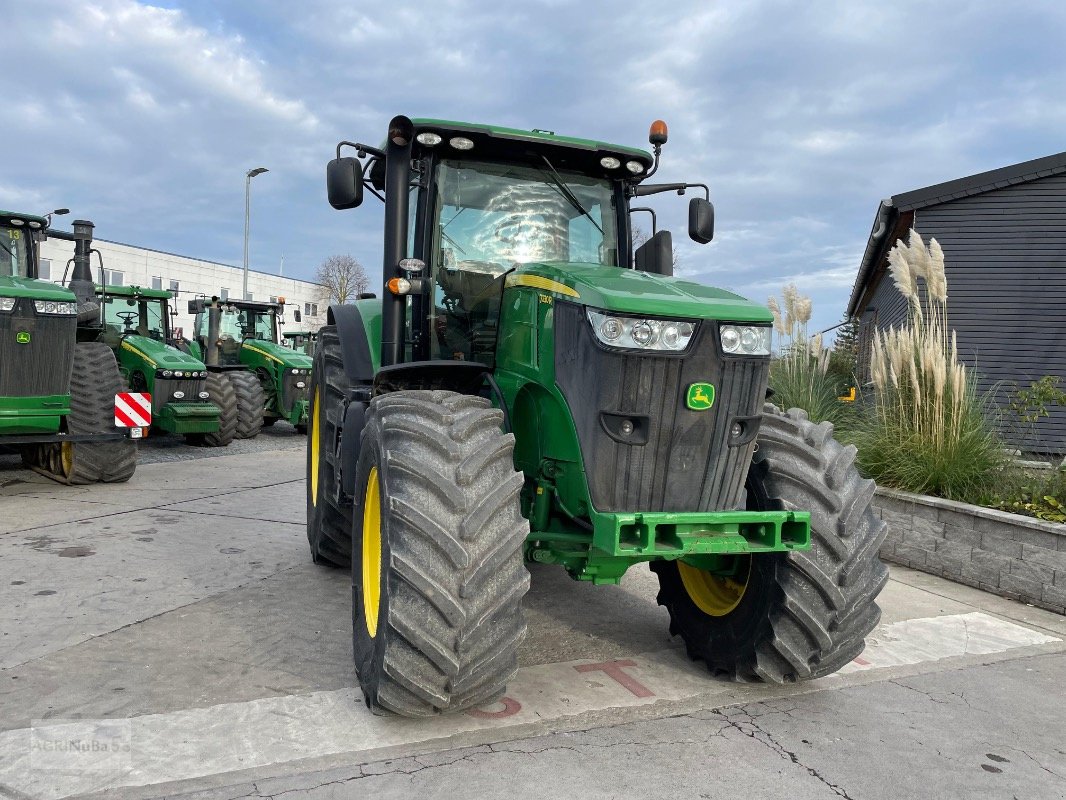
{"points": [[641, 334], [301, 385], [54, 307], [7, 303], [746, 340], [166, 373], [179, 395], [203, 395]]}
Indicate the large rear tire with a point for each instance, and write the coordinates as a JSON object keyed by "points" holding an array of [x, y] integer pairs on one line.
{"points": [[437, 569], [94, 383], [251, 401], [329, 523], [220, 392], [786, 617]]}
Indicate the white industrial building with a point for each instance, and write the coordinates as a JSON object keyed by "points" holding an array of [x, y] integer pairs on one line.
{"points": [[187, 278]]}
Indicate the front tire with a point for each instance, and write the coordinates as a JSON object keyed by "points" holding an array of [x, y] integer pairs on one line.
{"points": [[251, 402], [437, 569], [801, 614], [329, 522], [220, 392]]}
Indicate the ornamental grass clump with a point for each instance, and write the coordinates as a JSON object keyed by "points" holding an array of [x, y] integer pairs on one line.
{"points": [[928, 431], [799, 375]]}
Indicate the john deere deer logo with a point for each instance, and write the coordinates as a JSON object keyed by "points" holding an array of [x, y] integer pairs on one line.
{"points": [[700, 396]]}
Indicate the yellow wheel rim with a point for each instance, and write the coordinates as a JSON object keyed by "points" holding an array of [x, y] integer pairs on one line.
{"points": [[66, 458], [372, 553], [715, 595], [314, 448]]}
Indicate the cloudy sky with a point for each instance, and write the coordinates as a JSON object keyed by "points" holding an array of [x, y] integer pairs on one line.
{"points": [[800, 115]]}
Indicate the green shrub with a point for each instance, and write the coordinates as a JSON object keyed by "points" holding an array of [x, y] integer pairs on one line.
{"points": [[1035, 493], [799, 374]]}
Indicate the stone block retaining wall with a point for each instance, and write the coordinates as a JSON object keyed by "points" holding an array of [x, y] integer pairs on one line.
{"points": [[1010, 555]]}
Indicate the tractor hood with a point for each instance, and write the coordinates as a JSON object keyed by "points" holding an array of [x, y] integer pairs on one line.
{"points": [[627, 291], [278, 353], [158, 355], [31, 287]]}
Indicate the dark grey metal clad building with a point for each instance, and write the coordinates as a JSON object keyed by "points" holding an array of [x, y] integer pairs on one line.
{"points": [[1004, 238]]}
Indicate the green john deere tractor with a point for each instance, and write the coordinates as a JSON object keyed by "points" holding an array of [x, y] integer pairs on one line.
{"points": [[529, 388], [238, 340], [57, 382], [137, 329]]}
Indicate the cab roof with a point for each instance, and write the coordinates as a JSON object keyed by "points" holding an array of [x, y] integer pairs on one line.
{"points": [[136, 291], [499, 135], [7, 216]]}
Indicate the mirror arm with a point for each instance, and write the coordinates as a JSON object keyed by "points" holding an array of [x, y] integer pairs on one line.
{"points": [[654, 219], [658, 188], [367, 183], [361, 150]]}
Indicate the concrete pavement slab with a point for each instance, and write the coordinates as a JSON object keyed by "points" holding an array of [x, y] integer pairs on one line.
{"points": [[283, 502], [231, 656], [66, 583], [229, 737], [943, 734]]}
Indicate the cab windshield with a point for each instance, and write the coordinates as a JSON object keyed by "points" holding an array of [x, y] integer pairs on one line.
{"points": [[14, 253], [489, 218], [126, 315], [241, 324], [492, 216]]}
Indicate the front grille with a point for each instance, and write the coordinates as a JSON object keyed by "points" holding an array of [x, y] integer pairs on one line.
{"points": [[686, 464], [42, 365], [164, 388], [290, 392]]}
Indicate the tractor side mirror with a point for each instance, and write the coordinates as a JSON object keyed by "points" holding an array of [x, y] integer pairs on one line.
{"points": [[657, 254], [344, 182], [296, 315], [194, 307], [700, 220]]}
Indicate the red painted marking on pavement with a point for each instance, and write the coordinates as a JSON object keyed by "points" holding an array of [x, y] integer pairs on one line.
{"points": [[862, 662], [614, 670], [510, 708]]}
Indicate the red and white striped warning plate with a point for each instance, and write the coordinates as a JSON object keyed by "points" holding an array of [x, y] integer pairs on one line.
{"points": [[133, 410]]}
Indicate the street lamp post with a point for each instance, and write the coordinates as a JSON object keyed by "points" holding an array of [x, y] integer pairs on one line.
{"points": [[247, 219]]}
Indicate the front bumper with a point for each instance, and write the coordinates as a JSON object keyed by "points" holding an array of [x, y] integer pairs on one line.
{"points": [[186, 418], [620, 540], [33, 415], [298, 414]]}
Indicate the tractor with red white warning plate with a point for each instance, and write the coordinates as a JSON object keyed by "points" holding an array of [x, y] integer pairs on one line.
{"points": [[58, 384]]}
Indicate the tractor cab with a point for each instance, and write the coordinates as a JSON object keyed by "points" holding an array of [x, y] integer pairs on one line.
{"points": [[301, 341], [132, 311], [242, 336], [239, 322]]}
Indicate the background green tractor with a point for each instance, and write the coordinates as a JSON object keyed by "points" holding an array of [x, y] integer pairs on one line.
{"points": [[238, 340], [530, 388], [57, 382], [301, 341], [137, 329]]}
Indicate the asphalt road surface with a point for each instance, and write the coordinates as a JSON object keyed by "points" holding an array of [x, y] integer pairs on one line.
{"points": [[169, 637]]}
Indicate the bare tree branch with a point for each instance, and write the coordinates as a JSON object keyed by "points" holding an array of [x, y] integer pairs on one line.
{"points": [[343, 279]]}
